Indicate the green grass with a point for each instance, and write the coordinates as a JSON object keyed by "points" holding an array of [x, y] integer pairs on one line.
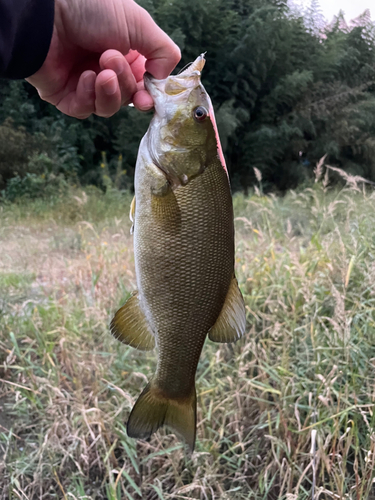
{"points": [[306, 266], [15, 280]]}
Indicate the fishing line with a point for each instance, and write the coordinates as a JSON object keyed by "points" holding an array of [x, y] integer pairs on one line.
{"points": [[185, 67], [189, 64]]}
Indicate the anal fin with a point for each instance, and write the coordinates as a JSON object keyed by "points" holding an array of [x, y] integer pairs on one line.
{"points": [[231, 323], [130, 326]]}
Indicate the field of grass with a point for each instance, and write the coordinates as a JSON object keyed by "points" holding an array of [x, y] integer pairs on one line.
{"points": [[285, 413]]}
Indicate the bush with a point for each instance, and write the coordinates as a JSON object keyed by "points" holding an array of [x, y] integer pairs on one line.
{"points": [[34, 186], [17, 146]]}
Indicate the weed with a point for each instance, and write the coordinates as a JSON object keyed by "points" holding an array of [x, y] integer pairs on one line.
{"points": [[303, 375]]}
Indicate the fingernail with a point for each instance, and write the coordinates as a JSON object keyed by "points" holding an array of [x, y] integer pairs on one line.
{"points": [[89, 83], [110, 87]]}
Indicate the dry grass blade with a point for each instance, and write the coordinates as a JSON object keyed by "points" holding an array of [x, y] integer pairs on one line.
{"points": [[351, 180], [305, 266]]}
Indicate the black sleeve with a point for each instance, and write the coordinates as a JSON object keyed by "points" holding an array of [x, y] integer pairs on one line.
{"points": [[25, 35]]}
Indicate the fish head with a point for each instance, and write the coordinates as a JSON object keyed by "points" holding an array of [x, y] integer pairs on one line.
{"points": [[181, 137]]}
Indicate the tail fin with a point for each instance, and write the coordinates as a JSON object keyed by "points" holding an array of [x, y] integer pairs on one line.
{"points": [[153, 410]]}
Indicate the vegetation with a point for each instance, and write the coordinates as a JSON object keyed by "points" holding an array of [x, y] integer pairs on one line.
{"points": [[286, 88], [302, 375], [287, 412]]}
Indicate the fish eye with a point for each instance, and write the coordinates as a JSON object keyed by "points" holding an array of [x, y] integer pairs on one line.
{"points": [[200, 113]]}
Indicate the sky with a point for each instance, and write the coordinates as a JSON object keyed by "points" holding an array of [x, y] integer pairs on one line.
{"points": [[352, 8]]}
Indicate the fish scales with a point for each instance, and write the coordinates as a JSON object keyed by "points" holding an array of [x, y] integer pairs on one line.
{"points": [[183, 251], [185, 288]]}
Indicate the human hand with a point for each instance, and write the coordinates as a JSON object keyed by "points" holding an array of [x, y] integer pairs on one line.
{"points": [[99, 52]]}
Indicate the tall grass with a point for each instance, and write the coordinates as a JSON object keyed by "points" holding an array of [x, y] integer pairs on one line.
{"points": [[285, 413]]}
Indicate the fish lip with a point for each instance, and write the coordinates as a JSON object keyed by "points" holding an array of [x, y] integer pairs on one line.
{"points": [[153, 86], [186, 77], [195, 66], [147, 78]]}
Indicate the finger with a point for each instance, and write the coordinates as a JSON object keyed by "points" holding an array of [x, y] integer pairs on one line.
{"points": [[115, 61], [142, 100], [108, 94], [137, 64], [148, 39], [80, 102], [133, 55]]}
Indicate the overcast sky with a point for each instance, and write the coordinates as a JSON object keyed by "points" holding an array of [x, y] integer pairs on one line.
{"points": [[352, 8]]}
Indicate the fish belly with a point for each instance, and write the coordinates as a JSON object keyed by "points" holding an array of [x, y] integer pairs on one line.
{"points": [[184, 256]]}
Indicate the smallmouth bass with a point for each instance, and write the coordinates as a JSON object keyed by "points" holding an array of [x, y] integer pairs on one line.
{"points": [[183, 251]]}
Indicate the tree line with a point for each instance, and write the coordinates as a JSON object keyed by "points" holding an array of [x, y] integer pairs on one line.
{"points": [[287, 90]]}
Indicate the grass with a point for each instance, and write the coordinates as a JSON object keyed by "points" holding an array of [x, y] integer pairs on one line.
{"points": [[301, 379]]}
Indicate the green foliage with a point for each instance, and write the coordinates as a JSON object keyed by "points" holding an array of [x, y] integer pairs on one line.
{"points": [[34, 186], [287, 89], [17, 145]]}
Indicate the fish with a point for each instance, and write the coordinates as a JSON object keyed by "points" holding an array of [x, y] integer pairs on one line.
{"points": [[183, 232]]}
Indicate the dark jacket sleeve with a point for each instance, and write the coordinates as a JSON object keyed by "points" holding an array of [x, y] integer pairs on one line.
{"points": [[25, 35]]}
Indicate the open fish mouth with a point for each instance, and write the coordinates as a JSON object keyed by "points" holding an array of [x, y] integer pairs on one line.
{"points": [[187, 79], [196, 65]]}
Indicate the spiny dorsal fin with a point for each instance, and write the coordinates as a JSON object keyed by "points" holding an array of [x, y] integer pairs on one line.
{"points": [[130, 326], [153, 410], [231, 323]]}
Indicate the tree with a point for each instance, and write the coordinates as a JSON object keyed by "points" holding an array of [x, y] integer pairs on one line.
{"points": [[287, 89]]}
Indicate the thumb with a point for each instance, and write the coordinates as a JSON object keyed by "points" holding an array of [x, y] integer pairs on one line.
{"points": [[154, 44]]}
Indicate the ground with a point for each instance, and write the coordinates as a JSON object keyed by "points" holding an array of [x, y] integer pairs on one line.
{"points": [[284, 412]]}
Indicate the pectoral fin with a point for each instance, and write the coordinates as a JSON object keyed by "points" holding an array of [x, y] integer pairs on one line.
{"points": [[132, 214], [231, 323], [130, 326]]}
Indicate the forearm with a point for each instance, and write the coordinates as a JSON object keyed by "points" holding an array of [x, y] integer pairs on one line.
{"points": [[25, 35]]}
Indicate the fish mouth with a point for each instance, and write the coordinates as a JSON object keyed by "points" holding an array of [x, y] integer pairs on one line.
{"points": [[187, 79], [196, 65], [149, 80]]}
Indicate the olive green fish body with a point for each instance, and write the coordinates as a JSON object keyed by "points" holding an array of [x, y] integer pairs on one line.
{"points": [[183, 251]]}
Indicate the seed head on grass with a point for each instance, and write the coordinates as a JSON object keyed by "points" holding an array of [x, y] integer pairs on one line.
{"points": [[258, 174], [318, 170], [351, 180], [305, 365]]}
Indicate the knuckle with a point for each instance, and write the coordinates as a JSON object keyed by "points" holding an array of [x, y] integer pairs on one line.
{"points": [[176, 53]]}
